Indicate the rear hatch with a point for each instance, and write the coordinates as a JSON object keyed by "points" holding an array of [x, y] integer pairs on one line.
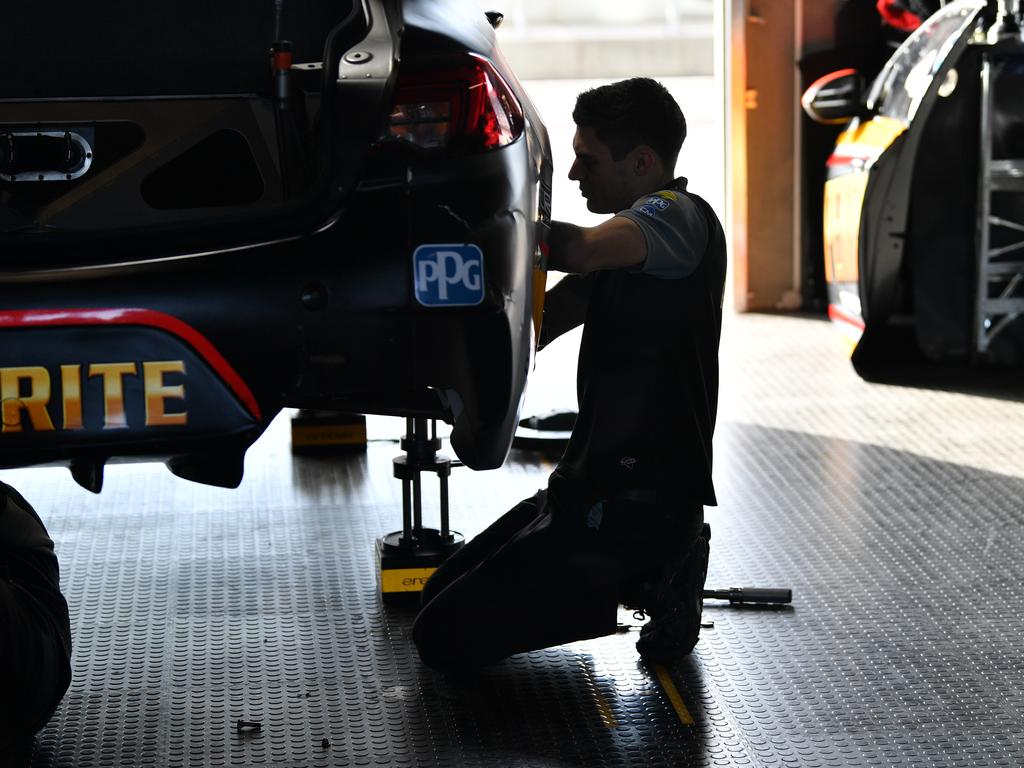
{"points": [[121, 117]]}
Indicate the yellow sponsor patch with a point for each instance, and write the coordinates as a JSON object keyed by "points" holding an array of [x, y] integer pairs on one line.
{"points": [[844, 200], [540, 284], [866, 141], [668, 195]]}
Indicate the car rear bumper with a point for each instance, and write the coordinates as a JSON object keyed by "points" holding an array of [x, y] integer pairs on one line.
{"points": [[328, 319]]}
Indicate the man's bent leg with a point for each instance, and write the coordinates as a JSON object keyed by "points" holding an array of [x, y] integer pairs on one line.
{"points": [[484, 545], [551, 584], [672, 593]]}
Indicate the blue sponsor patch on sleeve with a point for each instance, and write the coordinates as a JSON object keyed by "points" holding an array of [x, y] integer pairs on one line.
{"points": [[448, 275], [658, 202], [648, 210]]}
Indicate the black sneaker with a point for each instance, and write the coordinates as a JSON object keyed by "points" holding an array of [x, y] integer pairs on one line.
{"points": [[675, 611]]}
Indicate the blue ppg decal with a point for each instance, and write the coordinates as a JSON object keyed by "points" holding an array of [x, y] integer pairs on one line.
{"points": [[658, 202], [448, 275]]}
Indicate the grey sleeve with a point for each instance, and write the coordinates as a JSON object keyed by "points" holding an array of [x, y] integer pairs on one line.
{"points": [[675, 230]]}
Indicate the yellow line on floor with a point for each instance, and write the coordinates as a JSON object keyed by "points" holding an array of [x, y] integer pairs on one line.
{"points": [[673, 694], [603, 708], [607, 716]]}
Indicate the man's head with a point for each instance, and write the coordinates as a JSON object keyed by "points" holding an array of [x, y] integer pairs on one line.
{"points": [[628, 136]]}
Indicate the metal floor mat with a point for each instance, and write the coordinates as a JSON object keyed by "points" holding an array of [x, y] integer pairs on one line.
{"points": [[895, 514]]}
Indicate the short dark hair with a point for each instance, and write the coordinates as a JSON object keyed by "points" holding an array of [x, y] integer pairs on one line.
{"points": [[632, 112]]}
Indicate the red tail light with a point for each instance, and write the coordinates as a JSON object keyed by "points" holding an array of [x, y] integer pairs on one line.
{"points": [[458, 103]]}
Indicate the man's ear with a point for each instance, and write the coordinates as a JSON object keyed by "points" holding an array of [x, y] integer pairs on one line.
{"points": [[644, 160]]}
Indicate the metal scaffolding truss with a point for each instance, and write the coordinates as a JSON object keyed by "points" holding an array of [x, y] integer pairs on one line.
{"points": [[1000, 276]]}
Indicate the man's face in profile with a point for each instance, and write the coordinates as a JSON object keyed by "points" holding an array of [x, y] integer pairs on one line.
{"points": [[604, 181]]}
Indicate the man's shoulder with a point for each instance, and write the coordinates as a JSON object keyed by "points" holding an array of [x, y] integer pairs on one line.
{"points": [[695, 205], [672, 205]]}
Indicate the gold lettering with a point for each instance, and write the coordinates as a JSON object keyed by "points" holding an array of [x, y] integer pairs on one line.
{"points": [[71, 395], [157, 392], [34, 403], [114, 416]]}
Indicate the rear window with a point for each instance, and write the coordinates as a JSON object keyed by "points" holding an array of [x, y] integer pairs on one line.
{"points": [[124, 48]]}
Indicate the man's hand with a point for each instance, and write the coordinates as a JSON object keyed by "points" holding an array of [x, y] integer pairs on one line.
{"points": [[613, 244]]}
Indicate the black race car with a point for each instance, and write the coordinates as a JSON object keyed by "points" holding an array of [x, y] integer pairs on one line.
{"points": [[194, 234]]}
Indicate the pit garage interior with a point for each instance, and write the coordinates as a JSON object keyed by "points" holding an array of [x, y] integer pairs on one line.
{"points": [[245, 627]]}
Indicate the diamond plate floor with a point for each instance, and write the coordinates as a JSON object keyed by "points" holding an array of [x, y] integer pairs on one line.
{"points": [[896, 514]]}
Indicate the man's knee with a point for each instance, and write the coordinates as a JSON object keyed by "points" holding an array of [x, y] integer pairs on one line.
{"points": [[35, 633], [433, 638], [454, 634], [434, 586], [35, 667]]}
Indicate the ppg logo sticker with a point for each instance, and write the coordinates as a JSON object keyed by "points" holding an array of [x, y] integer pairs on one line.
{"points": [[448, 275]]}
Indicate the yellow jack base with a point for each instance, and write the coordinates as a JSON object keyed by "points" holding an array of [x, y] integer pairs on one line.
{"points": [[328, 432], [404, 565]]}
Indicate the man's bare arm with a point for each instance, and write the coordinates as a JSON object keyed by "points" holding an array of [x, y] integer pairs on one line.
{"points": [[613, 244], [565, 307]]}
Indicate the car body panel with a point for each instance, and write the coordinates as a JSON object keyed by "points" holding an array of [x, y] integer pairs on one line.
{"points": [[849, 167], [216, 330], [872, 167]]}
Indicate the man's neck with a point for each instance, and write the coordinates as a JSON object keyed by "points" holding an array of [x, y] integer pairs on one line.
{"points": [[644, 190], [655, 186]]}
